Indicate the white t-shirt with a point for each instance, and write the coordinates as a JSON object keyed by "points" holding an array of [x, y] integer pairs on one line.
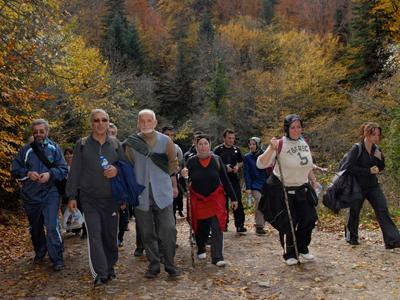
{"points": [[296, 162]]}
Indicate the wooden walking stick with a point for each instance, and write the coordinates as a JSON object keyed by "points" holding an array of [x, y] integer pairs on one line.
{"points": [[189, 216], [288, 210]]}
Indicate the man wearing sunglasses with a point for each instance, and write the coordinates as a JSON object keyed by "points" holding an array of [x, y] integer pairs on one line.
{"points": [[38, 166], [93, 167]]}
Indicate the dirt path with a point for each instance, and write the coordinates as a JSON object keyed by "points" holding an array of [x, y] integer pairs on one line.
{"points": [[256, 271]]}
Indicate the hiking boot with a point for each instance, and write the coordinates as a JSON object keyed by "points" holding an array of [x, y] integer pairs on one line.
{"points": [[260, 230], [120, 244], [202, 255], [99, 281], [393, 245], [241, 230], [174, 273], [58, 267], [151, 273], [291, 261], [180, 213]]}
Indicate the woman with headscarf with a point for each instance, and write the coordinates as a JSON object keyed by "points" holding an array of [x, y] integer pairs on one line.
{"points": [[255, 179], [292, 173], [364, 165], [208, 180]]}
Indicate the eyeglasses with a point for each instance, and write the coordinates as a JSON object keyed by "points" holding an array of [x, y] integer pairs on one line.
{"points": [[100, 120], [41, 131]]}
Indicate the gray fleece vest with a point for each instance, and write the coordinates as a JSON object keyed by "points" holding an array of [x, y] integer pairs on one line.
{"points": [[149, 175]]}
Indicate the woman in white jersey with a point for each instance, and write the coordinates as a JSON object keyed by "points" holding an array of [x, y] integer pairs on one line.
{"points": [[294, 157]]}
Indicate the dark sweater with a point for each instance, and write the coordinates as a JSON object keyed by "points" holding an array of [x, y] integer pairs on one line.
{"points": [[86, 173], [361, 167], [206, 180]]}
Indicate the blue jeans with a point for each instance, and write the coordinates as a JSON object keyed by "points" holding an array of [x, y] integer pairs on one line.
{"points": [[42, 214]]}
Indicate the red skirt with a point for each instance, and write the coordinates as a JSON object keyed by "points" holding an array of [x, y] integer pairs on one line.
{"points": [[206, 207]]}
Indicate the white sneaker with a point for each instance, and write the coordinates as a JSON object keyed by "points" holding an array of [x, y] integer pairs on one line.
{"points": [[291, 261], [221, 263], [307, 256], [202, 255]]}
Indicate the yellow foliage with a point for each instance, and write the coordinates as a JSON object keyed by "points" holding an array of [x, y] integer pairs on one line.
{"points": [[82, 70], [240, 37], [390, 8], [176, 13], [310, 71]]}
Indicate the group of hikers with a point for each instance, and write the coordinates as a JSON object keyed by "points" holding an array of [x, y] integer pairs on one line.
{"points": [[150, 172]]}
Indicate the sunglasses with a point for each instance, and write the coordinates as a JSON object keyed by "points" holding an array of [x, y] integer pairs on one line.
{"points": [[104, 120], [41, 131]]}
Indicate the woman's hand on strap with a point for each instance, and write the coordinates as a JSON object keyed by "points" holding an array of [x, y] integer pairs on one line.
{"points": [[274, 143]]}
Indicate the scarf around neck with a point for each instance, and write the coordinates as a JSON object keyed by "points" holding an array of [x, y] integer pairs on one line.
{"points": [[139, 144]]}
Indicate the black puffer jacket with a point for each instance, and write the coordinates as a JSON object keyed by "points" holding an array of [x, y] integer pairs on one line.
{"points": [[344, 189]]}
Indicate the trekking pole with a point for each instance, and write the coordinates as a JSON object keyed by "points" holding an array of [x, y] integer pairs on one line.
{"points": [[189, 215], [296, 251]]}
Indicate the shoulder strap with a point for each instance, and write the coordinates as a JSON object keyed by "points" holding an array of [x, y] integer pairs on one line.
{"points": [[359, 148], [41, 156], [216, 158], [83, 142]]}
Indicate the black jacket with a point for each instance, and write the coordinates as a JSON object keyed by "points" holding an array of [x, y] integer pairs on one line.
{"points": [[272, 203], [345, 188], [360, 169]]}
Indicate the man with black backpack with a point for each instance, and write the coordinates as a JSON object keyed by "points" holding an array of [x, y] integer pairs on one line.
{"points": [[39, 166]]}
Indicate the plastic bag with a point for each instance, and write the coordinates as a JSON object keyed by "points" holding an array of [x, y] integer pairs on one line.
{"points": [[72, 220]]}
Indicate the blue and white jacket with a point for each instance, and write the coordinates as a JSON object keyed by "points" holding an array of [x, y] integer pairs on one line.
{"points": [[26, 160]]}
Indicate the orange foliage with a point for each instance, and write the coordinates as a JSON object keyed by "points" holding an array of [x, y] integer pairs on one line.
{"points": [[316, 16], [152, 30], [16, 101], [148, 18], [228, 9]]}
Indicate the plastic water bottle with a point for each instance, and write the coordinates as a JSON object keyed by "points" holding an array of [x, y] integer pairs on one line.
{"points": [[318, 189], [104, 162], [249, 200]]}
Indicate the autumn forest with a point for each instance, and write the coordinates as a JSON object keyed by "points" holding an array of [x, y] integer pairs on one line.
{"points": [[201, 65]]}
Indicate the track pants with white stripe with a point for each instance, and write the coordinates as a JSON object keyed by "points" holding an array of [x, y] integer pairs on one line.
{"points": [[101, 217]]}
